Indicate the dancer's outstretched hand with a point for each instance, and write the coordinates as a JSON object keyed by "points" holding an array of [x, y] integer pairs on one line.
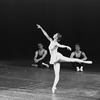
{"points": [[38, 26], [69, 48]]}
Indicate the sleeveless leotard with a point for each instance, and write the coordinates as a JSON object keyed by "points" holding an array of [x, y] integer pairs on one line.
{"points": [[55, 55]]}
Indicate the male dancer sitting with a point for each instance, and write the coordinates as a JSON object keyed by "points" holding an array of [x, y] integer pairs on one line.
{"points": [[80, 55], [40, 57]]}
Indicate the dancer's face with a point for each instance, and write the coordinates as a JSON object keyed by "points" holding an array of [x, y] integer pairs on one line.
{"points": [[40, 46], [55, 37], [77, 47]]}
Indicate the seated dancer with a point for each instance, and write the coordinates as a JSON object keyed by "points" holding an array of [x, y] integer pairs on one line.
{"points": [[80, 55], [40, 57], [57, 57]]}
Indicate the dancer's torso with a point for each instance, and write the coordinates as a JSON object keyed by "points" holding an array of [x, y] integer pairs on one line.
{"points": [[53, 47], [40, 53], [78, 55]]}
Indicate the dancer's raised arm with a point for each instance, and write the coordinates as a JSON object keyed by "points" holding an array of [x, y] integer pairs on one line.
{"points": [[44, 32], [63, 46]]}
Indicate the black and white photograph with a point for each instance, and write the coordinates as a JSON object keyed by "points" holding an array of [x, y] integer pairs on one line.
{"points": [[49, 50]]}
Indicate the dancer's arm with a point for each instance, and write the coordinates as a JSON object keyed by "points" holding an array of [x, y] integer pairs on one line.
{"points": [[84, 56], [44, 55], [63, 46], [44, 32], [72, 55], [35, 57]]}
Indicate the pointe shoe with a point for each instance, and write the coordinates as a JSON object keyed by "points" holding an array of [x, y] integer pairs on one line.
{"points": [[88, 62], [35, 65], [53, 89]]}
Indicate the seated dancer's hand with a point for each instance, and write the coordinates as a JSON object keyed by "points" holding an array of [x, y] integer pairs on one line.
{"points": [[69, 48], [38, 26], [36, 60]]}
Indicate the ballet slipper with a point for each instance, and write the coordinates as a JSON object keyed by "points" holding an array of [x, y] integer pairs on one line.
{"points": [[53, 89], [45, 65], [81, 69], [77, 69], [88, 62]]}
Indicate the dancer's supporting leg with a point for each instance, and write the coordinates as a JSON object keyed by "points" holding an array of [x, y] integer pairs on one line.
{"points": [[66, 59], [56, 80]]}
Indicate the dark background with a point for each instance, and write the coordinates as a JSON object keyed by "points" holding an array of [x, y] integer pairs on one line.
{"points": [[77, 21]]}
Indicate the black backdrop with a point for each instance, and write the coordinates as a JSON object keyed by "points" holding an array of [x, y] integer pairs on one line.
{"points": [[76, 20]]}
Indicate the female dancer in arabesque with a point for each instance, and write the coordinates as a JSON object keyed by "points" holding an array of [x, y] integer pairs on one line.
{"points": [[57, 57]]}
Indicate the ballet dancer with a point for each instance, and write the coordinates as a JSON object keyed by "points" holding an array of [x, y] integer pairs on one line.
{"points": [[57, 57], [40, 57], [80, 55]]}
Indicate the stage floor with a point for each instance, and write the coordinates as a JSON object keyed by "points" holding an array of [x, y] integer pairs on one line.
{"points": [[21, 81]]}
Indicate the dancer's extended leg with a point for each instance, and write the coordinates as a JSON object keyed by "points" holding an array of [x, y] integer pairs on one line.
{"points": [[56, 80], [66, 59]]}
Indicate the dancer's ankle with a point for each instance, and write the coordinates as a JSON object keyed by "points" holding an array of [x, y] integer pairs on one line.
{"points": [[53, 89]]}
